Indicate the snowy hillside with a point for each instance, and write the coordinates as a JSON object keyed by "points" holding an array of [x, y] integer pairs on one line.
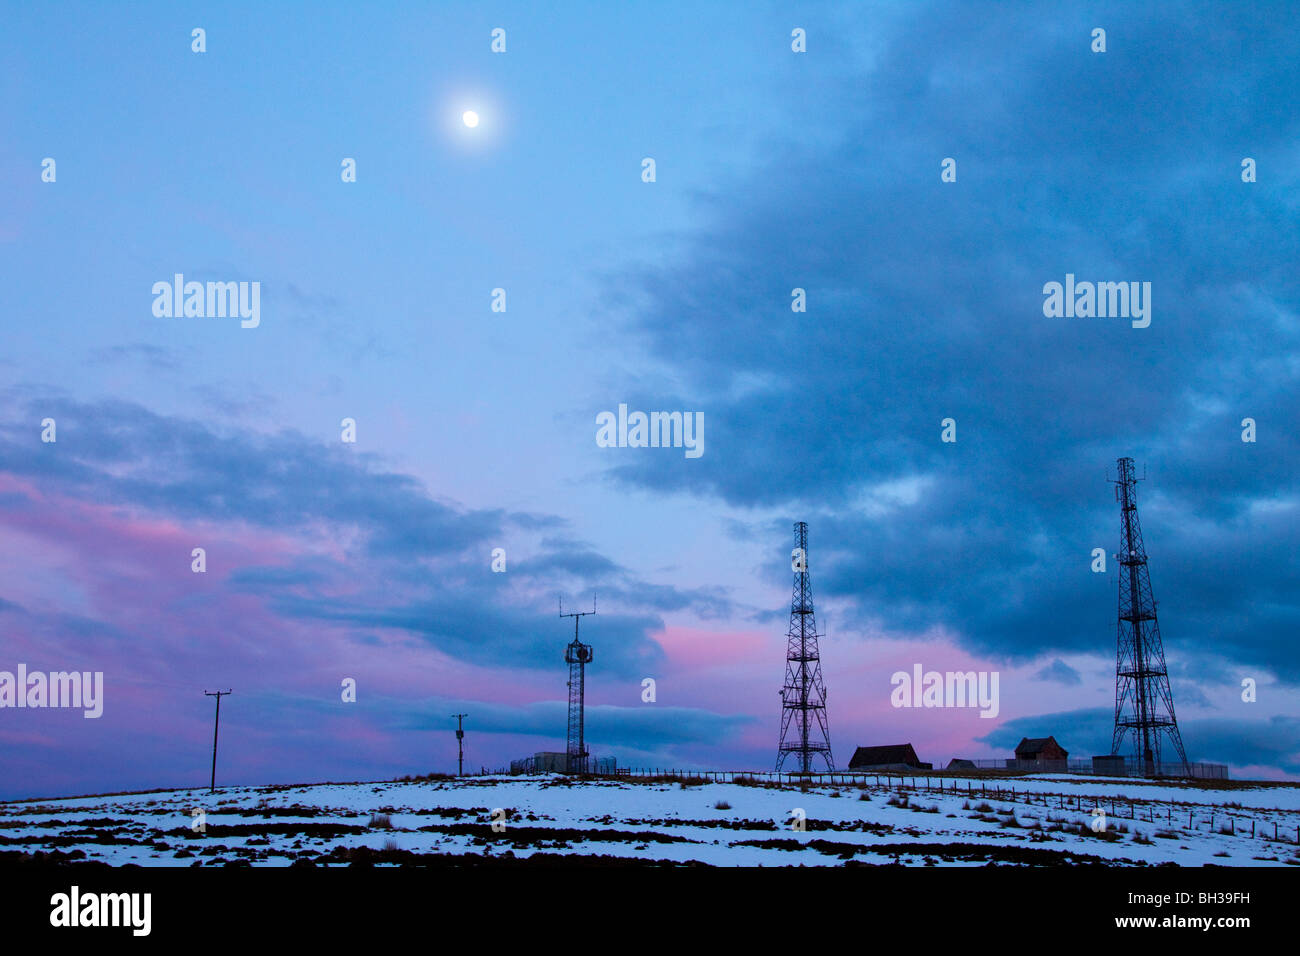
{"points": [[1049, 821]]}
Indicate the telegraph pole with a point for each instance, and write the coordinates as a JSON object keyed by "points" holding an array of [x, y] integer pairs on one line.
{"points": [[212, 786], [460, 745]]}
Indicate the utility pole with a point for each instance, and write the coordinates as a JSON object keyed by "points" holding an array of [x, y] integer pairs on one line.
{"points": [[212, 786], [460, 745]]}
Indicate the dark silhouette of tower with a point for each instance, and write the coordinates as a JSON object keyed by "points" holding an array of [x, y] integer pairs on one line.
{"points": [[577, 655], [460, 744], [1144, 705], [803, 697]]}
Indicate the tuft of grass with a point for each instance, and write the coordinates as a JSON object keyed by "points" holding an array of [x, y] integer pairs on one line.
{"points": [[722, 805], [380, 821], [1109, 834], [390, 844]]}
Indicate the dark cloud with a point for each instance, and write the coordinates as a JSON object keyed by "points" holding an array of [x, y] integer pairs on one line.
{"points": [[643, 727], [419, 565], [1061, 673], [925, 302]]}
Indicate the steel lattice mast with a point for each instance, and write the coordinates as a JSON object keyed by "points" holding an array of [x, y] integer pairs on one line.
{"points": [[803, 697], [577, 655], [1144, 704]]}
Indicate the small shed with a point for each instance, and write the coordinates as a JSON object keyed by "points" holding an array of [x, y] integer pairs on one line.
{"points": [[1109, 764], [960, 763], [1039, 749], [888, 757]]}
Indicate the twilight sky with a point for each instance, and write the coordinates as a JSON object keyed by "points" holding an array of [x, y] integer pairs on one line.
{"points": [[476, 429]]}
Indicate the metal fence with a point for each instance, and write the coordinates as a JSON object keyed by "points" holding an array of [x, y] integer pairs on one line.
{"points": [[1121, 767], [1109, 766], [1267, 824], [559, 763]]}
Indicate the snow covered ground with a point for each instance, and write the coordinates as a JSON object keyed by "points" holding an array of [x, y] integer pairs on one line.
{"points": [[502, 820]]}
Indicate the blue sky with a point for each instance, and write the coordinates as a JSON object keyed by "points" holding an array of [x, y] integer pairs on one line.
{"points": [[476, 429]]}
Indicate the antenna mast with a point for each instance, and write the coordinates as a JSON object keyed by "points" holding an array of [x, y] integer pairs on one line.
{"points": [[577, 655], [803, 696], [1144, 704]]}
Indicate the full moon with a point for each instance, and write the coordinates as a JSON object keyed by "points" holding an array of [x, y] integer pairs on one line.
{"points": [[470, 118]]}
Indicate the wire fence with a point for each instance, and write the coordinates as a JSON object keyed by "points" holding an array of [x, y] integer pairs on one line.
{"points": [[1229, 820], [1110, 766]]}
